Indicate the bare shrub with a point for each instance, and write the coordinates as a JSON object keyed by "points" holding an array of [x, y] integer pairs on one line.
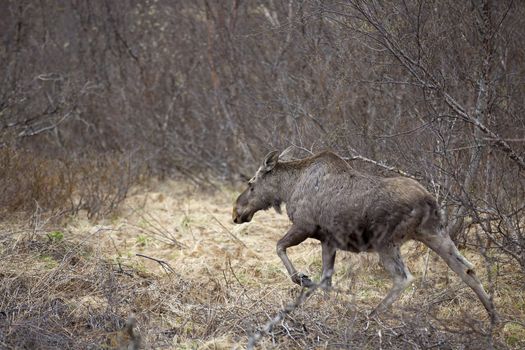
{"points": [[102, 182], [96, 183], [30, 182]]}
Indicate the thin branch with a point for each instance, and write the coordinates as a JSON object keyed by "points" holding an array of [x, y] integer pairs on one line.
{"points": [[167, 268], [498, 141], [227, 231], [382, 165]]}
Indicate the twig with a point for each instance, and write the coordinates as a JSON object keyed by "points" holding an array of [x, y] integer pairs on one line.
{"points": [[227, 231], [167, 268], [233, 273]]}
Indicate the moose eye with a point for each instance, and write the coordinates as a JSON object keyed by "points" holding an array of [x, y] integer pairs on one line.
{"points": [[251, 188]]}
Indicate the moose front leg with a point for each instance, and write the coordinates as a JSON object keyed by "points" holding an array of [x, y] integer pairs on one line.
{"points": [[293, 237]]}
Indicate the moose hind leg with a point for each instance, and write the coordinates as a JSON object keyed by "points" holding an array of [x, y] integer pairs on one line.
{"points": [[446, 249], [391, 260], [328, 254]]}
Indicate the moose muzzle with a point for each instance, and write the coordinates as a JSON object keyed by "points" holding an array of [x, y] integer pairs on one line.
{"points": [[241, 218], [235, 216]]}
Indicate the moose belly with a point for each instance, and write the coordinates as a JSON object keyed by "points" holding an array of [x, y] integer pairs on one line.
{"points": [[365, 236], [356, 241]]}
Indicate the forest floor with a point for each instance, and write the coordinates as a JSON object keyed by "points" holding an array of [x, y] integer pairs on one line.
{"points": [[172, 259]]}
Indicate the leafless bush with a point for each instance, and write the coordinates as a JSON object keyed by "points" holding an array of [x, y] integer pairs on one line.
{"points": [[96, 183], [30, 182], [103, 182]]}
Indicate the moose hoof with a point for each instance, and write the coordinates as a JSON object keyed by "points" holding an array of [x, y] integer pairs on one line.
{"points": [[326, 285], [302, 280]]}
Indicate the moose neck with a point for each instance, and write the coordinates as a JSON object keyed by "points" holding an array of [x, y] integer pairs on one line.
{"points": [[286, 176]]}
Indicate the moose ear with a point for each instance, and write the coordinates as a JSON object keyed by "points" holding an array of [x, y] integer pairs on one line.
{"points": [[270, 161]]}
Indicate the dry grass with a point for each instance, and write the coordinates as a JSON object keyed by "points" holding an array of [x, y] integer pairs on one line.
{"points": [[75, 285]]}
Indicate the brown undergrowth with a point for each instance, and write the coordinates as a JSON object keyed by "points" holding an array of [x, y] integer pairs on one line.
{"points": [[201, 283], [56, 186]]}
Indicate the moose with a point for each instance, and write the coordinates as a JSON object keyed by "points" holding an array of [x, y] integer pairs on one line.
{"points": [[328, 200]]}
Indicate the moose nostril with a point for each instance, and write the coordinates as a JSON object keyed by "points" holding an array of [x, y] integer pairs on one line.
{"points": [[236, 220]]}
